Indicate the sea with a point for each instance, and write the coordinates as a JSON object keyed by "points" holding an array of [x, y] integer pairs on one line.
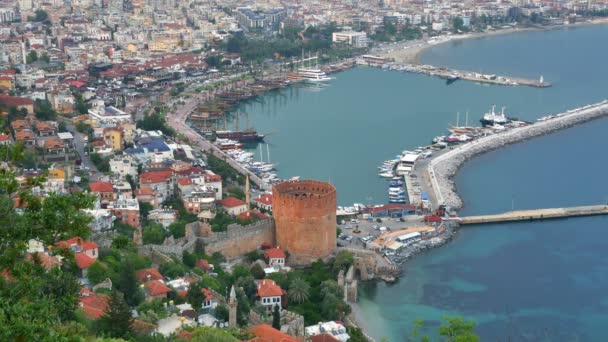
{"points": [[541, 281]]}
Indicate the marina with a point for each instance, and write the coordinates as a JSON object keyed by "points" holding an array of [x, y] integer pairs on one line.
{"points": [[453, 75]]}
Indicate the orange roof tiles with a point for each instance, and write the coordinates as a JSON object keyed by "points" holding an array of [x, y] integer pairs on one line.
{"points": [[231, 202], [148, 274], [249, 214], [78, 241], [152, 177], [156, 288], [274, 253], [101, 187], [268, 288], [266, 199], [48, 261], [94, 305], [266, 333], [83, 261], [144, 191]]}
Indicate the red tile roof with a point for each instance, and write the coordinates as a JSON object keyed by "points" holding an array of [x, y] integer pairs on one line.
{"points": [[324, 338], [268, 288], [10, 101], [94, 305], [249, 214], [144, 191], [148, 274], [83, 261], [212, 178], [78, 241], [4, 137], [274, 253], [184, 181], [207, 293], [101, 187], [266, 333], [48, 261], [231, 202], [203, 264], [156, 288], [266, 199], [152, 177]]}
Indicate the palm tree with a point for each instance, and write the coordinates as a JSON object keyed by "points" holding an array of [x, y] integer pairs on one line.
{"points": [[298, 290]]}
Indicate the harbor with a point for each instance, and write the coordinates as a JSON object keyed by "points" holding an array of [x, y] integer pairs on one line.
{"points": [[452, 75], [442, 168], [535, 214]]}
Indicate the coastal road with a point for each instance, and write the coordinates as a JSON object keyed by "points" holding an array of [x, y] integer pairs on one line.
{"points": [[177, 120]]}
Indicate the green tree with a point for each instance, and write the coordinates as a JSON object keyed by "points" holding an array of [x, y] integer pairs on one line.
{"points": [[298, 290], [44, 110], [458, 24], [154, 234], [127, 283], [188, 259], [144, 209], [195, 297], [178, 229], [155, 122], [117, 320], [208, 334], [458, 329], [257, 271], [40, 15], [97, 273], [221, 313], [31, 57], [343, 260], [172, 269], [276, 317]]}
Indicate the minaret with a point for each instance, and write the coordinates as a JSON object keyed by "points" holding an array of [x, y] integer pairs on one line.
{"points": [[23, 54], [232, 304], [247, 192]]}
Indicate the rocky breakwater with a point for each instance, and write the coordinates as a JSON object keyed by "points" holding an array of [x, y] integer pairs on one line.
{"points": [[444, 167]]}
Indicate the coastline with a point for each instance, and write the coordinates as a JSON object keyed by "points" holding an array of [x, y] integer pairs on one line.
{"points": [[412, 52], [444, 167]]}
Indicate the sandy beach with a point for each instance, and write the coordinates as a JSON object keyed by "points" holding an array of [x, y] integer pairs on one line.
{"points": [[410, 52]]}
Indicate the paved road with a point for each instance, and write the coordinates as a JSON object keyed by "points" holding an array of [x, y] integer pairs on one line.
{"points": [[177, 120], [80, 147]]}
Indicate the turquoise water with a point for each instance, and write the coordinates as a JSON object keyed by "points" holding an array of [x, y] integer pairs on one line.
{"points": [[540, 281]]}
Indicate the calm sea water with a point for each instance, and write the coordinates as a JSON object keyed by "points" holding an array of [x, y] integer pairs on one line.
{"points": [[527, 281]]}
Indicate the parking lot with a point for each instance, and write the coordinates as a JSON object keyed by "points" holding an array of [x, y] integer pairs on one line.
{"points": [[355, 233]]}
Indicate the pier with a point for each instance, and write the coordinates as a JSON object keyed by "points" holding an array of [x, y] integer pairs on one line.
{"points": [[452, 75], [536, 214], [442, 168]]}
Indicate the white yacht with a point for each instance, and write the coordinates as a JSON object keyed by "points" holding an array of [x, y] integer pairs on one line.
{"points": [[313, 75]]}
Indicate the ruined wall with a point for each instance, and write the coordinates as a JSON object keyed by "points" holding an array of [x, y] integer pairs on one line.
{"points": [[305, 219], [238, 240]]}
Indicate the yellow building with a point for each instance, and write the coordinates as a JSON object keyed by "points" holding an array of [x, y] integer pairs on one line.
{"points": [[56, 174], [113, 138], [6, 82]]}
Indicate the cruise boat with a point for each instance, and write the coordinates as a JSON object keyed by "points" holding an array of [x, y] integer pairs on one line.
{"points": [[490, 118], [313, 75]]}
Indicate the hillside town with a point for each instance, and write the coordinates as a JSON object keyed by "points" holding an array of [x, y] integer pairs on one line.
{"points": [[122, 221]]}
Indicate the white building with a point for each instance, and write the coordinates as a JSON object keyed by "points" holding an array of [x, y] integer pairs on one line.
{"points": [[7, 15], [337, 330], [103, 220], [108, 115], [124, 165], [355, 39], [163, 216]]}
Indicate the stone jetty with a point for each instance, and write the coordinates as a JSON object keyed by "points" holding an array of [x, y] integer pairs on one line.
{"points": [[443, 167]]}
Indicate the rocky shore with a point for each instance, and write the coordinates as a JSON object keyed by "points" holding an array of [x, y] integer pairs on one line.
{"points": [[444, 167], [410, 251]]}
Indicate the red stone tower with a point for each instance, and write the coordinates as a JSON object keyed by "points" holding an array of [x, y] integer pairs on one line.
{"points": [[305, 218]]}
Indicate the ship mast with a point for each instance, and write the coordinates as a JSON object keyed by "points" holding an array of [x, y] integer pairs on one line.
{"points": [[267, 153], [261, 154]]}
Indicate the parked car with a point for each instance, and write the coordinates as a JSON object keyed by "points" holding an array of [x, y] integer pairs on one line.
{"points": [[348, 226], [376, 227]]}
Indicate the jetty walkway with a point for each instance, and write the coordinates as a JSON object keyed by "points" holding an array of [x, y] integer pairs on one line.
{"points": [[536, 214], [453, 75], [442, 168]]}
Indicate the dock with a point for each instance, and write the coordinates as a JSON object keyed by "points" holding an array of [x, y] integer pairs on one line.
{"points": [[536, 214], [452, 75]]}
